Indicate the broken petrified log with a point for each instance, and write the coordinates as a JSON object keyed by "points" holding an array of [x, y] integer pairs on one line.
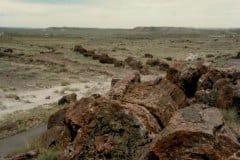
{"points": [[121, 87], [161, 99], [195, 132], [107, 129]]}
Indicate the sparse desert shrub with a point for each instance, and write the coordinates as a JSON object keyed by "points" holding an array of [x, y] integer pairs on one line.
{"points": [[232, 119], [39, 85], [2, 107], [12, 96], [65, 83], [49, 154], [231, 116]]}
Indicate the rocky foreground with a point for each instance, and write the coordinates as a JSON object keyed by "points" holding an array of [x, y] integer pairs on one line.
{"points": [[174, 117]]}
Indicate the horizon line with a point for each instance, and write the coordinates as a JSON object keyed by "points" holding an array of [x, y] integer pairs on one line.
{"points": [[123, 28]]}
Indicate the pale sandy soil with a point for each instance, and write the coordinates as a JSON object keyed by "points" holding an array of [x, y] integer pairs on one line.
{"points": [[32, 99]]}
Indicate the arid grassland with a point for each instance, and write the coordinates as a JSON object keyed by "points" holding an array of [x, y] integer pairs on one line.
{"points": [[38, 67]]}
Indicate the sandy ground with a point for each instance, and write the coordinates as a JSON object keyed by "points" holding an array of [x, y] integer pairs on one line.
{"points": [[32, 99]]}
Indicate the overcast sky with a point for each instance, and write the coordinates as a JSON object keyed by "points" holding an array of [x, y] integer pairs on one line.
{"points": [[120, 13]]}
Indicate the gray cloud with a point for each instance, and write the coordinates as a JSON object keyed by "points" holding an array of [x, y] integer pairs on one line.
{"points": [[122, 13]]}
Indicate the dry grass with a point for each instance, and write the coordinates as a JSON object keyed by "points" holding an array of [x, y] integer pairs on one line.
{"points": [[12, 96], [23, 120], [44, 154], [232, 120], [65, 83]]}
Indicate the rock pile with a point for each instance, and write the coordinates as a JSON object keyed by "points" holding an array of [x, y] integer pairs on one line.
{"points": [[168, 118], [102, 58]]}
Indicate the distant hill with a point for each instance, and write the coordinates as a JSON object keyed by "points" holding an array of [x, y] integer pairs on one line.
{"points": [[137, 32]]}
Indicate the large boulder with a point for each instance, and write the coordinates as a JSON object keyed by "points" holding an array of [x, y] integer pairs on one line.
{"points": [[196, 132], [108, 129]]}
